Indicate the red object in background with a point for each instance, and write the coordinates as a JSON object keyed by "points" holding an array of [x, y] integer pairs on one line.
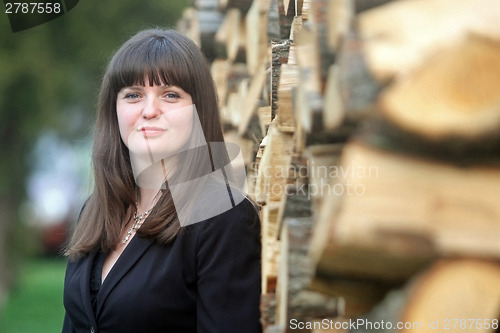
{"points": [[54, 237]]}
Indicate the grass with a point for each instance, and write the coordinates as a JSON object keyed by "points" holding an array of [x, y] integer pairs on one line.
{"points": [[35, 304]]}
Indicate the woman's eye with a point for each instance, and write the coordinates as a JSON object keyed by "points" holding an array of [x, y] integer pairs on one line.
{"points": [[131, 96], [171, 95]]}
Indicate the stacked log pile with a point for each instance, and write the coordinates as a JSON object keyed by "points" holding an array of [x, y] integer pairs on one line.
{"points": [[371, 134]]}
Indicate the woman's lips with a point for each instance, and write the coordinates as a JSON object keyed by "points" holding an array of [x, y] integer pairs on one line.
{"points": [[151, 130]]}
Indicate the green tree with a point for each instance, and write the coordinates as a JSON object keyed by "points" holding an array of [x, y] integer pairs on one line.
{"points": [[49, 78]]}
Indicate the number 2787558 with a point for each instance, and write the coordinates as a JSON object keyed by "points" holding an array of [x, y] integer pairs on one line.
{"points": [[32, 8]]}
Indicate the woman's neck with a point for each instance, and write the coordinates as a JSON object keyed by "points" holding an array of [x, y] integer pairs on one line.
{"points": [[147, 199]]}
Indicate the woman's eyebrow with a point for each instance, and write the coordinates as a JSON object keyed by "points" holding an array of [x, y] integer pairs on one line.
{"points": [[162, 87], [173, 86], [132, 87]]}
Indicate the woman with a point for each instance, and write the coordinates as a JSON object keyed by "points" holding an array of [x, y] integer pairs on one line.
{"points": [[166, 242]]}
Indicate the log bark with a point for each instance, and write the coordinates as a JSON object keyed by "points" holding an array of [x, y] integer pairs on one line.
{"points": [[357, 86], [295, 299], [280, 51]]}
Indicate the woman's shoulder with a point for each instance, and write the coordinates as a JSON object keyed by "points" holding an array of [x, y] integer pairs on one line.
{"points": [[216, 200], [241, 219], [243, 210]]}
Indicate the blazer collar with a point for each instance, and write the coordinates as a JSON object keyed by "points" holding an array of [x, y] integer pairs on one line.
{"points": [[85, 287], [130, 255]]}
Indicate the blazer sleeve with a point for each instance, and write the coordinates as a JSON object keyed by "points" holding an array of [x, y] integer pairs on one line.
{"points": [[67, 324], [229, 272]]}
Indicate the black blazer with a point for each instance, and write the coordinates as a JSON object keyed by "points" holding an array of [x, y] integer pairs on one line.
{"points": [[206, 280]]}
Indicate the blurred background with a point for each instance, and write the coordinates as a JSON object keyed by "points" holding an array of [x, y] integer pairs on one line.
{"points": [[49, 80]]}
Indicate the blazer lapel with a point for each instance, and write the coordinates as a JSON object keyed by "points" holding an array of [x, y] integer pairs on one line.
{"points": [[85, 287], [132, 253]]}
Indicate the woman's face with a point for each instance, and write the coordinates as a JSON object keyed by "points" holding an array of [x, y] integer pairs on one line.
{"points": [[155, 121]]}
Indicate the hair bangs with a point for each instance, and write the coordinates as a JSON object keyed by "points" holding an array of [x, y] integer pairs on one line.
{"points": [[154, 62]]}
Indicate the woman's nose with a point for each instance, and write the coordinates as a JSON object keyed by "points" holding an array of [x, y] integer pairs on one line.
{"points": [[151, 108]]}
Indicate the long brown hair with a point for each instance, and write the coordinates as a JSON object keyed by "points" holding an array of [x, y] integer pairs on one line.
{"points": [[161, 57]]}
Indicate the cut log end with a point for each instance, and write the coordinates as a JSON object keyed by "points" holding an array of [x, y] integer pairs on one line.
{"points": [[455, 94], [457, 296]]}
